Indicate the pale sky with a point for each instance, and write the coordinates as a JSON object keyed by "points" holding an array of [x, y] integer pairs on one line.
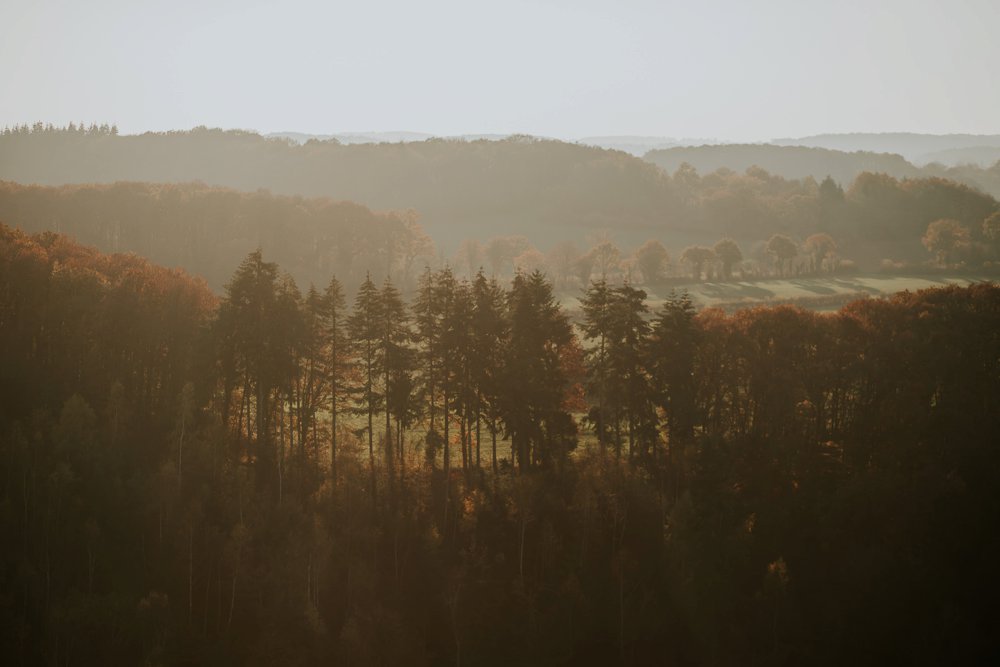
{"points": [[727, 69]]}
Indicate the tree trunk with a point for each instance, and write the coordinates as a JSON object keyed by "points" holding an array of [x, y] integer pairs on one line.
{"points": [[479, 434], [493, 437]]}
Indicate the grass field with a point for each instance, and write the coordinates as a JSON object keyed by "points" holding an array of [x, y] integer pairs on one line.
{"points": [[821, 294]]}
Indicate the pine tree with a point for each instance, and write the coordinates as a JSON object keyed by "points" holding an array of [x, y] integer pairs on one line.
{"points": [[446, 286], [534, 381], [596, 328], [253, 331], [396, 361], [337, 354], [670, 354], [365, 328], [489, 333], [458, 341], [427, 318], [631, 394], [313, 384]]}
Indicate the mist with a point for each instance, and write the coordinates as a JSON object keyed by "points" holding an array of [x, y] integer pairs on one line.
{"points": [[459, 333]]}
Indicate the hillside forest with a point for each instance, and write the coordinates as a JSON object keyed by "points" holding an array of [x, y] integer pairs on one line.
{"points": [[553, 201], [755, 226], [290, 472]]}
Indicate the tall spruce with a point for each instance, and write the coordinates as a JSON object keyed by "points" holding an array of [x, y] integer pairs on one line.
{"points": [[366, 328], [397, 362], [489, 333], [446, 287], [255, 341], [596, 328], [427, 320], [337, 358], [535, 383], [670, 354], [631, 394]]}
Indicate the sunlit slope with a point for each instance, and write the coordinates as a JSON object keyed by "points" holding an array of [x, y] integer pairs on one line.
{"points": [[462, 189]]}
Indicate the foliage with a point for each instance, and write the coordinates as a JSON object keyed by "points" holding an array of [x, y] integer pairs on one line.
{"points": [[542, 192], [947, 239], [797, 488]]}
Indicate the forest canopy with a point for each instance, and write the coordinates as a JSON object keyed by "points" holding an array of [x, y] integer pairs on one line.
{"points": [[295, 476], [209, 230], [547, 191]]}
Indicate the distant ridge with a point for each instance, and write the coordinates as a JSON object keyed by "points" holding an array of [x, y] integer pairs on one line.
{"points": [[348, 138], [633, 144], [639, 145], [785, 161], [949, 150], [917, 148], [980, 156]]}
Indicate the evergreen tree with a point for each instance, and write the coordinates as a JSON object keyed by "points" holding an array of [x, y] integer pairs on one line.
{"points": [[596, 328], [446, 288], [534, 381], [630, 394], [458, 340], [366, 329], [337, 360], [427, 318], [313, 386], [489, 333], [670, 355], [397, 363], [257, 353]]}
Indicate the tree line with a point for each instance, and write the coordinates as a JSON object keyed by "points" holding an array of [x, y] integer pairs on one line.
{"points": [[471, 476], [547, 191], [207, 230]]}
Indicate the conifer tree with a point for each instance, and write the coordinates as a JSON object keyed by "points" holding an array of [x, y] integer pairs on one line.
{"points": [[459, 342], [365, 327], [313, 383], [631, 397], [596, 328], [337, 353], [534, 381], [489, 333], [396, 360], [254, 329], [670, 354], [446, 286], [427, 319]]}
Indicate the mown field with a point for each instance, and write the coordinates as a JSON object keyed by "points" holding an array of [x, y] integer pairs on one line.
{"points": [[824, 294]]}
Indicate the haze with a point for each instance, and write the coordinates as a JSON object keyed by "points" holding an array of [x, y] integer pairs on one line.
{"points": [[561, 69]]}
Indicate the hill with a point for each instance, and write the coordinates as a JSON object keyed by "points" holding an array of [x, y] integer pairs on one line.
{"points": [[208, 230], [547, 191], [785, 161], [912, 146], [796, 162], [520, 185], [980, 156]]}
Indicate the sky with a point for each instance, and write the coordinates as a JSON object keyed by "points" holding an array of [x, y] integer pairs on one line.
{"points": [[739, 70]]}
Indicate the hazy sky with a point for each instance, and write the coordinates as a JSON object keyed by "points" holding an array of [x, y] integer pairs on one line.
{"points": [[730, 69]]}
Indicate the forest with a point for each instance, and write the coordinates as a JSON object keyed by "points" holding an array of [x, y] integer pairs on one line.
{"points": [[547, 191], [797, 162], [752, 225], [466, 473]]}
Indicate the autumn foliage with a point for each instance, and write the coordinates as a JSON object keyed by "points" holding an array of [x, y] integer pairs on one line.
{"points": [[275, 477]]}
